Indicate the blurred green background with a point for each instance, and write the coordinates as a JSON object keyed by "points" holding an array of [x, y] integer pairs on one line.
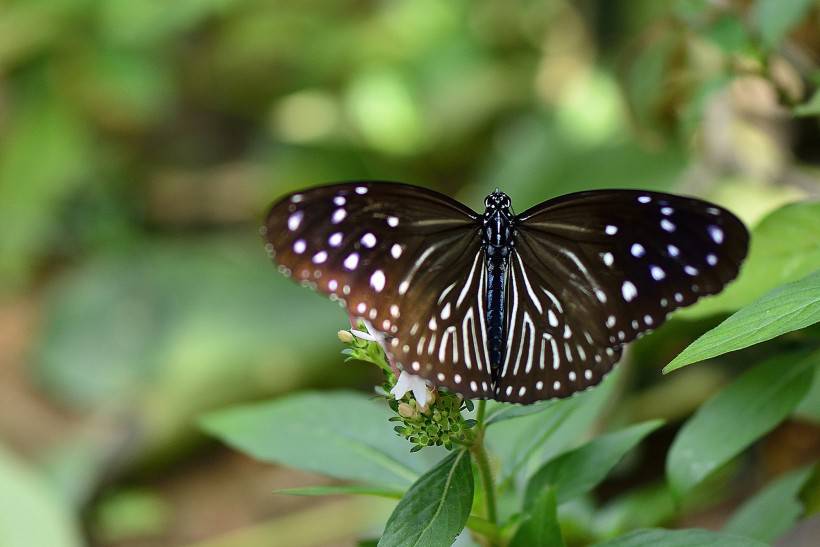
{"points": [[141, 141]]}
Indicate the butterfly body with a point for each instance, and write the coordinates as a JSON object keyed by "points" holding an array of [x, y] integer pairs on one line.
{"points": [[516, 308], [498, 240]]}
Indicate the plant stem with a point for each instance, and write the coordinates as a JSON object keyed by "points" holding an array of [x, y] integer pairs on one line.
{"points": [[483, 463]]}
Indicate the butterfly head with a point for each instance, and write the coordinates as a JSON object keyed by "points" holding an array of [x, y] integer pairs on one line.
{"points": [[497, 201]]}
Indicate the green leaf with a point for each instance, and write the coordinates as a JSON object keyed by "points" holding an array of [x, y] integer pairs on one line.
{"points": [[32, 514], [643, 507], [653, 537], [772, 511], [580, 470], [785, 309], [341, 434], [541, 528], [344, 489], [785, 247], [435, 509], [738, 415], [499, 412], [810, 107], [775, 18]]}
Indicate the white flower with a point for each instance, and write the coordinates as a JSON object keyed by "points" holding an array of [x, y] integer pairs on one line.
{"points": [[363, 335], [410, 382]]}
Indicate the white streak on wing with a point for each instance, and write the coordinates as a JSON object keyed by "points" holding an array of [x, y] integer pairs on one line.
{"points": [[469, 281], [445, 292], [554, 300], [485, 358], [432, 345], [409, 277], [527, 284], [527, 329], [554, 348], [442, 348], [420, 345], [543, 350], [455, 342], [468, 317], [574, 258], [512, 325], [530, 353]]}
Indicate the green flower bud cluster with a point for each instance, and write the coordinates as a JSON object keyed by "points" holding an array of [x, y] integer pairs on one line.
{"points": [[441, 423]]}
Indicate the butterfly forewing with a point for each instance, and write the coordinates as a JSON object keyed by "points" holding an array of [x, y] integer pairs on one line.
{"points": [[594, 270], [406, 260]]}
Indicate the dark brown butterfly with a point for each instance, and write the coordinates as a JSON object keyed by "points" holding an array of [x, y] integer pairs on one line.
{"points": [[510, 307]]}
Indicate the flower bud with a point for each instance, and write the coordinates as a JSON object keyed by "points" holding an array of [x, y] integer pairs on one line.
{"points": [[407, 411], [345, 336]]}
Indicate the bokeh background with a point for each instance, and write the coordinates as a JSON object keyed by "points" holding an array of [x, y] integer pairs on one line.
{"points": [[141, 141]]}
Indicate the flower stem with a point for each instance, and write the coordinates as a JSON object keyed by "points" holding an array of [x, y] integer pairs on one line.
{"points": [[483, 464]]}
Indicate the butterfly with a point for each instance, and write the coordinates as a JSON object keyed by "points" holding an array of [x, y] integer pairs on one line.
{"points": [[513, 307]]}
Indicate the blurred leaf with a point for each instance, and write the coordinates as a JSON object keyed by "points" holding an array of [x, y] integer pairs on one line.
{"points": [[785, 247], [775, 18], [809, 407], [654, 537], [810, 493], [131, 514], [435, 509], [188, 322], [644, 507], [541, 528], [32, 514], [810, 107], [533, 439], [353, 489], [45, 154], [772, 511], [578, 471], [535, 162], [785, 309], [340, 434], [729, 33], [149, 22], [737, 416]]}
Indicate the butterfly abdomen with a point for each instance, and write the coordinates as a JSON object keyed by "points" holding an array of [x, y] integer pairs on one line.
{"points": [[496, 274]]}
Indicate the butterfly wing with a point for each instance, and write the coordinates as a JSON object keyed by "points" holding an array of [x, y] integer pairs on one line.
{"points": [[594, 270], [405, 259]]}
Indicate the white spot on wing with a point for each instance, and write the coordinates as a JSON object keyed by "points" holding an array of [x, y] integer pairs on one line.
{"points": [[644, 199], [368, 240], [335, 239], [657, 273], [295, 220], [629, 291], [319, 257], [667, 225], [611, 230], [637, 250], [392, 221], [396, 250], [361, 190], [299, 246], [338, 216], [716, 234], [351, 261], [377, 280], [608, 258]]}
